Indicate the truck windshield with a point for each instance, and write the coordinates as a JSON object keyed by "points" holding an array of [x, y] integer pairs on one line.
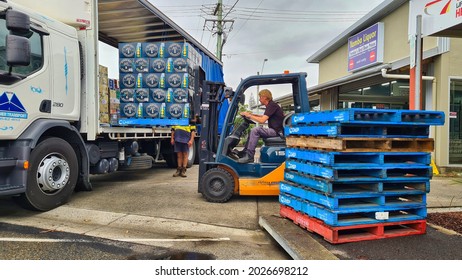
{"points": [[36, 56]]}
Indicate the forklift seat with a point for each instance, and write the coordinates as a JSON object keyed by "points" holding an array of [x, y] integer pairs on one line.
{"points": [[274, 141]]}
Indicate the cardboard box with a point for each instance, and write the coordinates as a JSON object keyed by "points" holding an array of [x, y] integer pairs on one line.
{"points": [[154, 110], [150, 50], [177, 95], [158, 94], [128, 80], [177, 110], [151, 80], [141, 65], [177, 80], [173, 49], [158, 65], [113, 93], [128, 110], [185, 50], [126, 65], [142, 95], [104, 117], [112, 84], [114, 118], [103, 70], [179, 65], [127, 95], [127, 50]]}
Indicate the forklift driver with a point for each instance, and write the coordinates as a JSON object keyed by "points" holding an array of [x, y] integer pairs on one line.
{"points": [[275, 117]]}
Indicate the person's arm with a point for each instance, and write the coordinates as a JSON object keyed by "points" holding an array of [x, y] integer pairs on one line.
{"points": [[172, 138], [191, 141], [254, 117]]}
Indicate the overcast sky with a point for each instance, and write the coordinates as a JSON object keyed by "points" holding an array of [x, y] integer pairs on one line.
{"points": [[284, 32]]}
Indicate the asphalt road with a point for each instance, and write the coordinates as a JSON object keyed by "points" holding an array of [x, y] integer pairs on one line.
{"points": [[151, 215], [149, 208], [29, 243]]}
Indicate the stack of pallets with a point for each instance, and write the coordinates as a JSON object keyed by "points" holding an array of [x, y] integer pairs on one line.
{"points": [[359, 174]]}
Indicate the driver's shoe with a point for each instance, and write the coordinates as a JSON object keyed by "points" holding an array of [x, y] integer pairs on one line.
{"points": [[240, 153], [246, 159]]}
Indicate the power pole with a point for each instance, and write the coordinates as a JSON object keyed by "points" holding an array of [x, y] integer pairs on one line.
{"points": [[219, 14], [219, 26]]}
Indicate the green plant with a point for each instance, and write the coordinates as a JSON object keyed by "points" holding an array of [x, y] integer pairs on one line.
{"points": [[239, 120]]}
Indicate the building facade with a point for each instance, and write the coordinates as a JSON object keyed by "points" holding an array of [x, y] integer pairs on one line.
{"points": [[348, 79]]}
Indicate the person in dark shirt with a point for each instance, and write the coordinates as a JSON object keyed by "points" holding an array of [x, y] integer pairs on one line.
{"points": [[275, 117]]}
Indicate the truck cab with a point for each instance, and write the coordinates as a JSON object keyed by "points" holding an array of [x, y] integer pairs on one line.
{"points": [[52, 136]]}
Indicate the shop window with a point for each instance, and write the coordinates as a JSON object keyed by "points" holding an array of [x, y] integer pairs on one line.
{"points": [[387, 95], [378, 90], [455, 123], [399, 88]]}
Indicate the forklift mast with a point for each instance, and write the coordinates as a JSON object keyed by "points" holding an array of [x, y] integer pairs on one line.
{"points": [[210, 107]]}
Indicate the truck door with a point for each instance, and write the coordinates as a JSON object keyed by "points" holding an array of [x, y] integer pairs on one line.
{"points": [[25, 93], [64, 62]]}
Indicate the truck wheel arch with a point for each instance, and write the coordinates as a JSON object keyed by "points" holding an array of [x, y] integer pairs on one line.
{"points": [[42, 129]]}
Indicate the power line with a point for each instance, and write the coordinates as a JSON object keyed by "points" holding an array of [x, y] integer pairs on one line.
{"points": [[279, 11], [247, 19], [231, 9]]}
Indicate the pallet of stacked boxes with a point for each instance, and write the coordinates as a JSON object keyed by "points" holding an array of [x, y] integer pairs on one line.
{"points": [[157, 83], [359, 174]]}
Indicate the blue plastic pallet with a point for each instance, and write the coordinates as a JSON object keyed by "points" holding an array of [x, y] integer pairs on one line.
{"points": [[359, 130], [404, 117], [153, 122], [358, 158], [329, 186], [356, 216], [354, 173], [355, 199]]}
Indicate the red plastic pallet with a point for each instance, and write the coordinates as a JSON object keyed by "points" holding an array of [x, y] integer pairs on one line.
{"points": [[345, 234]]}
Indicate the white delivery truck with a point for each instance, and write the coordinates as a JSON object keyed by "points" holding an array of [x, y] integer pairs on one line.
{"points": [[51, 135]]}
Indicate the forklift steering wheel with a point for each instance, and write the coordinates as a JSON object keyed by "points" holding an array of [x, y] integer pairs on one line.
{"points": [[247, 120]]}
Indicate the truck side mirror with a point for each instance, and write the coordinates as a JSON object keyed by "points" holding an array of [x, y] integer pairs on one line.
{"points": [[18, 51], [17, 22]]}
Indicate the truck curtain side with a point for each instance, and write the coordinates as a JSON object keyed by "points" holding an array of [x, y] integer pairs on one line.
{"points": [[51, 137]]}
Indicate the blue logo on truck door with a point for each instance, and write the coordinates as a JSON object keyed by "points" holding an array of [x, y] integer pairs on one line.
{"points": [[11, 107]]}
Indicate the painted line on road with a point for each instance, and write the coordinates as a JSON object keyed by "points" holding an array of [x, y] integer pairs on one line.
{"points": [[45, 240], [174, 240], [6, 239]]}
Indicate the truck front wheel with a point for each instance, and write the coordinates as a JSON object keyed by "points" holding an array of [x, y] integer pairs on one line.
{"points": [[52, 175]]}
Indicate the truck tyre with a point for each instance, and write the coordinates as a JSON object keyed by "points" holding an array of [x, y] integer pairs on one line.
{"points": [[52, 175], [217, 185], [171, 158], [192, 154], [138, 163]]}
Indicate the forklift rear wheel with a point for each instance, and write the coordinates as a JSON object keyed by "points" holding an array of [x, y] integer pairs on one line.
{"points": [[217, 185]]}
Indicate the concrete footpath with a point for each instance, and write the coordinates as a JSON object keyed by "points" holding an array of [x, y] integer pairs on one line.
{"points": [[438, 243]]}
